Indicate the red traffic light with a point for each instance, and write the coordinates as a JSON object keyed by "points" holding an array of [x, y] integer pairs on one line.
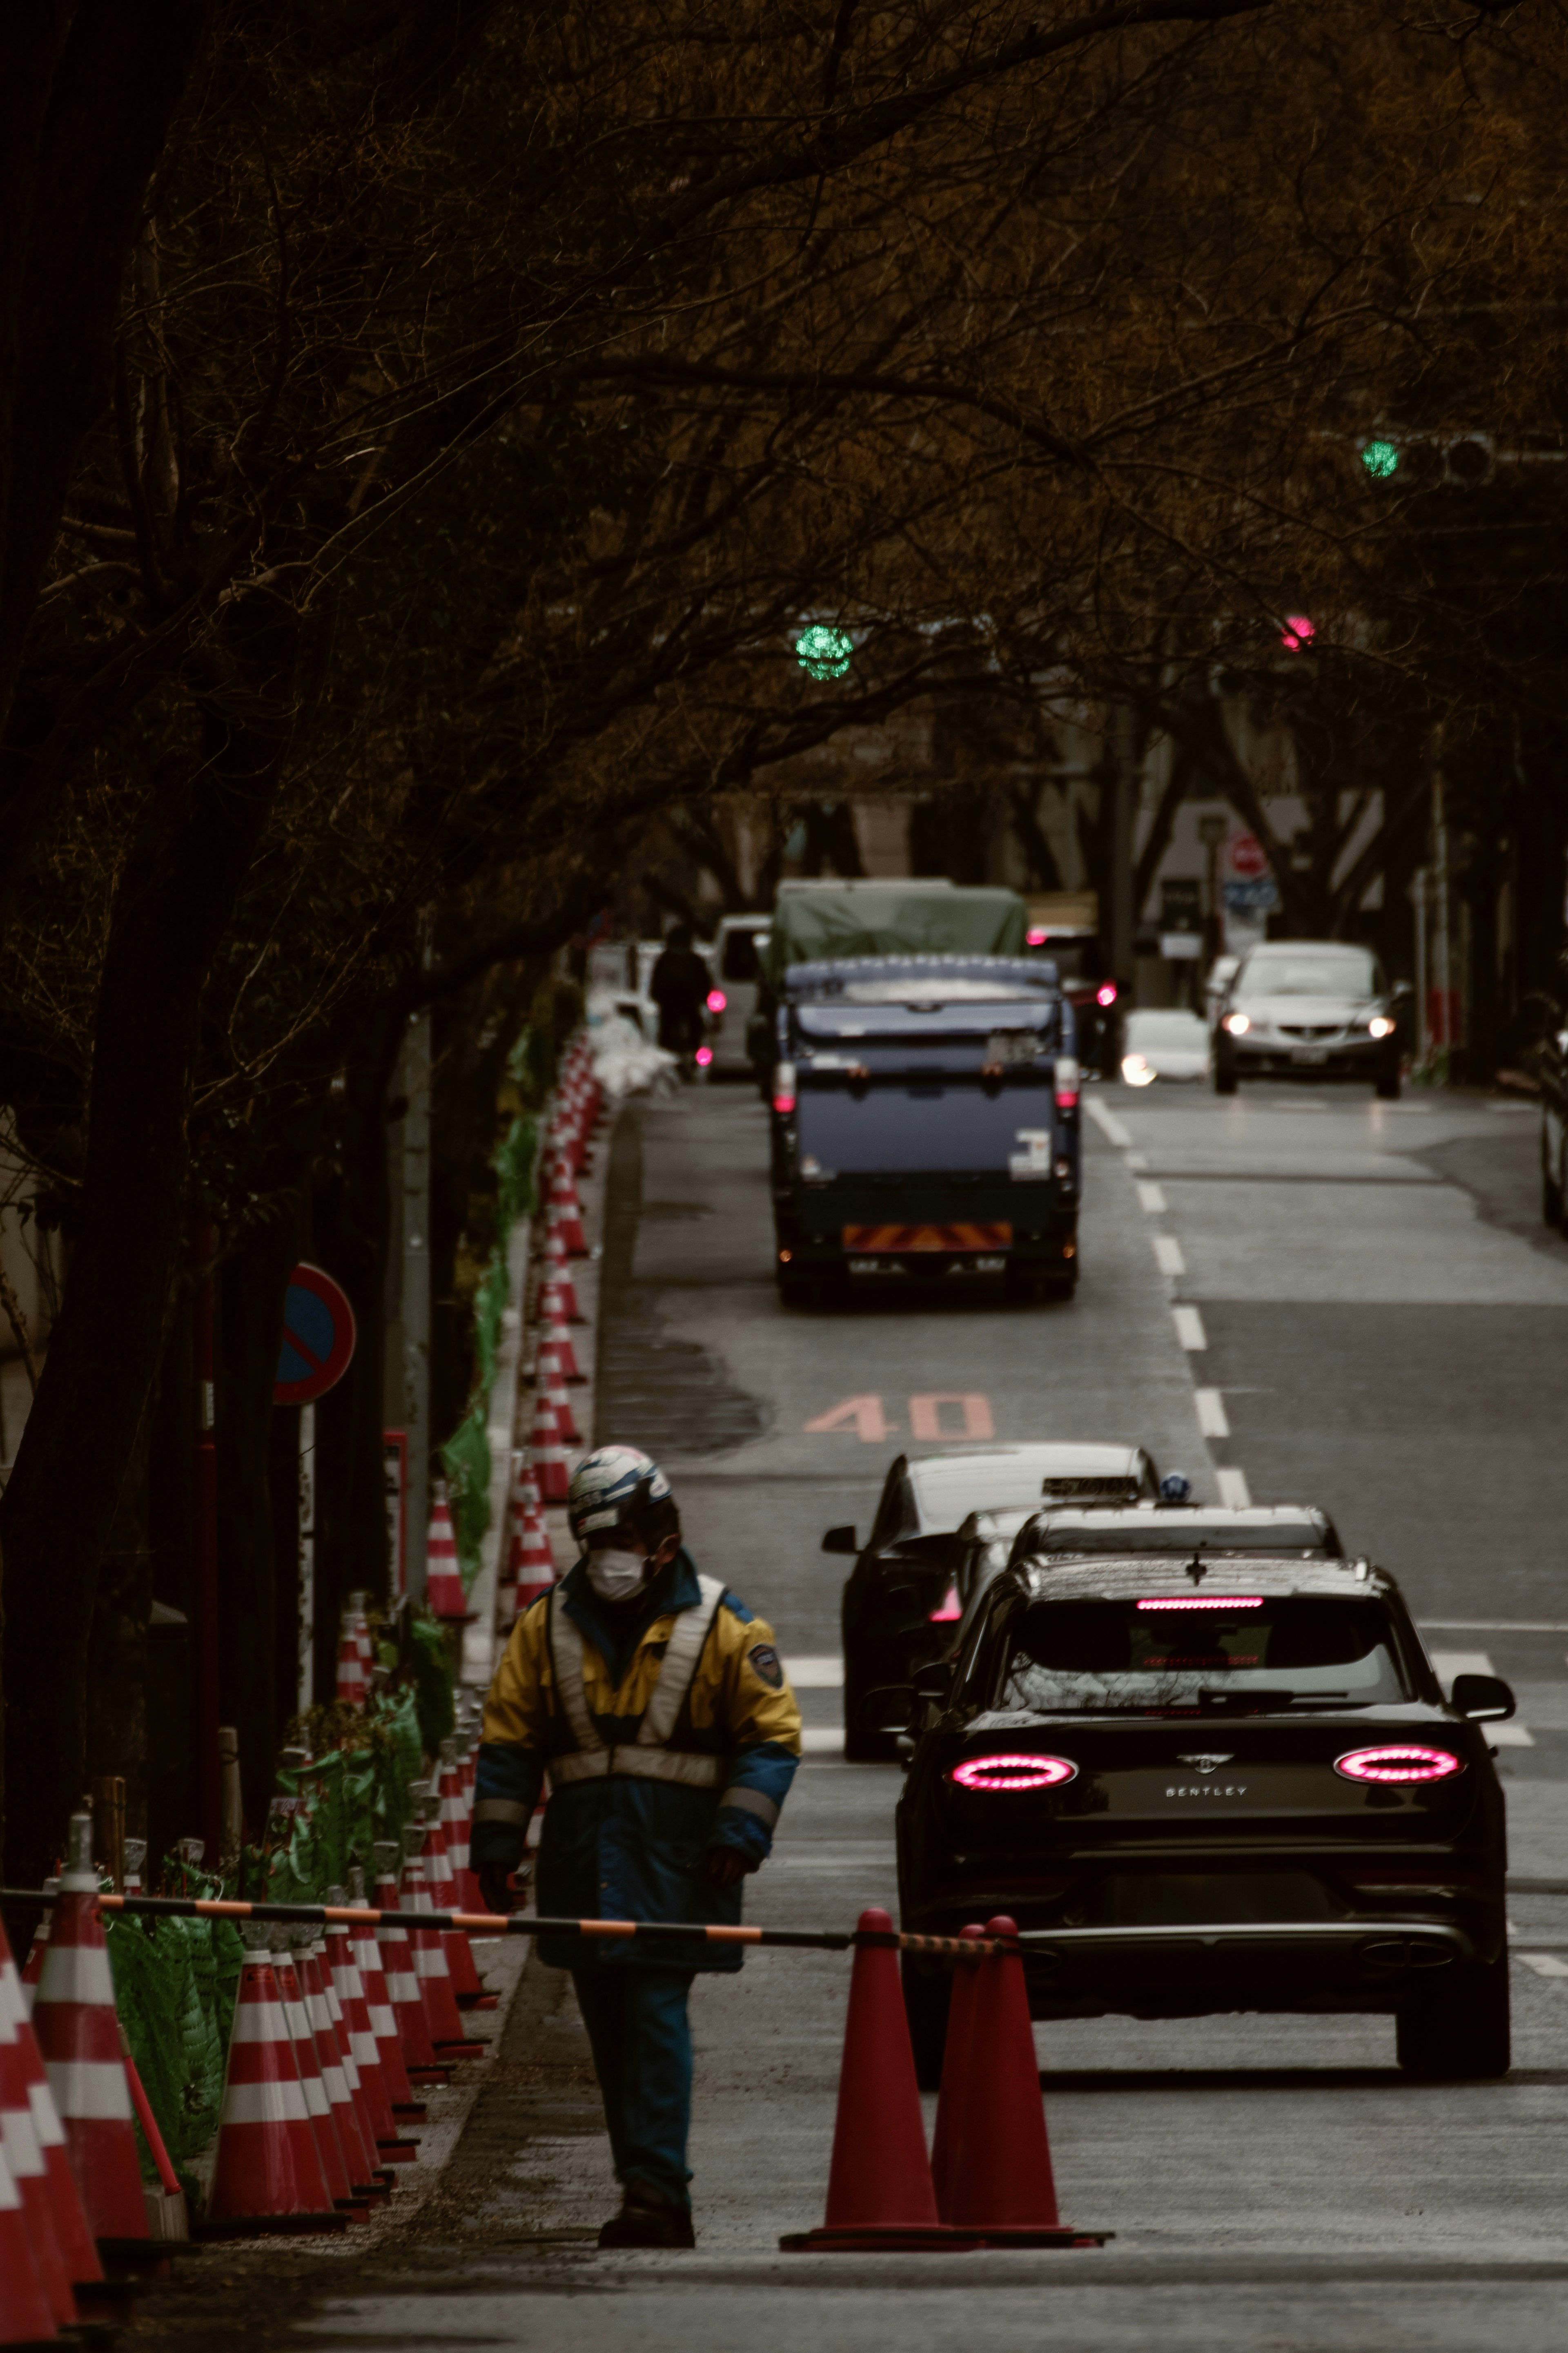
{"points": [[1298, 633]]}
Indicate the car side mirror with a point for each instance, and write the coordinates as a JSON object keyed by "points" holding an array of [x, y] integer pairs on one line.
{"points": [[1401, 989], [840, 1540], [888, 1710], [1485, 1699]]}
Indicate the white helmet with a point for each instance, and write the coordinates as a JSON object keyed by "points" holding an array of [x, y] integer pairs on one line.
{"points": [[617, 1487]]}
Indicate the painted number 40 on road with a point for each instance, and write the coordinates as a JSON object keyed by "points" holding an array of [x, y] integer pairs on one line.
{"points": [[938, 1413]]}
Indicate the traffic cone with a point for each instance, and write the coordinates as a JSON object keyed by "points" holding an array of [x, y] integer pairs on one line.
{"points": [[555, 1361], [378, 2010], [443, 1584], [340, 2075], [329, 2149], [398, 1961], [24, 2314], [442, 1882], [566, 1211], [1002, 2190], [556, 1264], [136, 1857], [350, 1688], [79, 2040], [566, 1429], [429, 1953], [879, 2190], [76, 2243], [454, 1814], [341, 1973], [548, 1453], [955, 2078], [37, 1949], [531, 1564], [30, 2174], [268, 2174]]}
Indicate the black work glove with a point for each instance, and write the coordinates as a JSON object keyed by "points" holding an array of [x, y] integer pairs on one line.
{"points": [[724, 1865], [495, 1886]]}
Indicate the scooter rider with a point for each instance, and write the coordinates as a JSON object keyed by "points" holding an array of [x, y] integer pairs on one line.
{"points": [[658, 1705]]}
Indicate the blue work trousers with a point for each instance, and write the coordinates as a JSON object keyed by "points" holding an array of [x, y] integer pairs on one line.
{"points": [[641, 2038]]}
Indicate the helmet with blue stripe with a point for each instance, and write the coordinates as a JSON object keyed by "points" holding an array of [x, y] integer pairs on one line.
{"points": [[619, 1487]]}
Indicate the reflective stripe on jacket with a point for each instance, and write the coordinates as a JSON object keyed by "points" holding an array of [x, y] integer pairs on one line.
{"points": [[646, 1772]]}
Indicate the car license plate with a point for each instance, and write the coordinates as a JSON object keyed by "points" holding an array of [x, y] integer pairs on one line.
{"points": [[1308, 1053]]}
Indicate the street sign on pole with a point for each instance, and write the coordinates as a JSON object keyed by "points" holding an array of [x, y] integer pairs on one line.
{"points": [[318, 1337], [1249, 859]]}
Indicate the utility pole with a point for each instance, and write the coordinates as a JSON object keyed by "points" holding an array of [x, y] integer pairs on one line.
{"points": [[416, 1291]]}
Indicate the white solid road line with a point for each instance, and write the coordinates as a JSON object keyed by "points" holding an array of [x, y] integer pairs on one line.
{"points": [[1545, 1965], [1109, 1127], [822, 1740], [1190, 1327], [1495, 1625], [1212, 1418], [1168, 1250], [1449, 1664], [815, 1674], [1150, 1197], [1234, 1491]]}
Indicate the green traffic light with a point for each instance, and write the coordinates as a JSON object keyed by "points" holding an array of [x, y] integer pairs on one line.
{"points": [[1381, 460], [823, 652]]}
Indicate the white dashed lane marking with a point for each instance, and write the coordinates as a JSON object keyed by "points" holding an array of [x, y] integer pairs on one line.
{"points": [[1109, 1127], [1168, 1250], [1150, 1196], [1449, 1664], [1189, 1327], [1234, 1491], [1545, 1965], [1213, 1419], [815, 1674]]}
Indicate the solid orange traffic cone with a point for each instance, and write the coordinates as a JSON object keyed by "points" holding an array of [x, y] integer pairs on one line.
{"points": [[443, 1583], [955, 2066], [1001, 2187], [441, 2014], [378, 2010], [397, 1959], [76, 2241], [268, 2174], [24, 2314], [879, 2190], [79, 2038]]}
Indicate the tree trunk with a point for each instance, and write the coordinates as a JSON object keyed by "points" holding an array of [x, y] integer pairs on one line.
{"points": [[181, 880]]}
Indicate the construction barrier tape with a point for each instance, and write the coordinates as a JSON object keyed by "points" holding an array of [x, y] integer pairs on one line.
{"points": [[520, 1924]]}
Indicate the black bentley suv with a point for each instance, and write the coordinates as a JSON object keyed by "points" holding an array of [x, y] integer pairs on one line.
{"points": [[1211, 1784]]}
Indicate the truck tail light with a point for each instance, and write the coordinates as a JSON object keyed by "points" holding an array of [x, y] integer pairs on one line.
{"points": [[783, 1088], [717, 1000], [1013, 1772], [1399, 1761], [1067, 1082], [1106, 992], [950, 1610]]}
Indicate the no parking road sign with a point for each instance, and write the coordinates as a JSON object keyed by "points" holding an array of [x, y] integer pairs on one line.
{"points": [[318, 1337]]}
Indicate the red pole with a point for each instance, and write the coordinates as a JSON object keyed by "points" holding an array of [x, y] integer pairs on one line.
{"points": [[209, 1768]]}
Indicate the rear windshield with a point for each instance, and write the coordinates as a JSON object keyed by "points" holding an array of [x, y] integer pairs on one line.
{"points": [[1077, 959], [1051, 1657], [741, 954]]}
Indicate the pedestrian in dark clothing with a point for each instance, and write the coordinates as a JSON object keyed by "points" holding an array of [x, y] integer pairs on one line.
{"points": [[678, 987]]}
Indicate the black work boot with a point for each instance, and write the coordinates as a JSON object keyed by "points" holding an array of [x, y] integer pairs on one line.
{"points": [[647, 2220]]}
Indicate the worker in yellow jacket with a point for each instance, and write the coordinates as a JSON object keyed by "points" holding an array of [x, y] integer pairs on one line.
{"points": [[658, 1705]]}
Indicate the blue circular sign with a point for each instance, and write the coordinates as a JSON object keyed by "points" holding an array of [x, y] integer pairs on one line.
{"points": [[318, 1337]]}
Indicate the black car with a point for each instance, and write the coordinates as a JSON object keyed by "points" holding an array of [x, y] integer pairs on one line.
{"points": [[901, 1609], [1144, 1527], [1213, 1787]]}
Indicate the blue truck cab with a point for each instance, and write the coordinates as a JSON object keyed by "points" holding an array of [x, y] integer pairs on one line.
{"points": [[925, 1124]]}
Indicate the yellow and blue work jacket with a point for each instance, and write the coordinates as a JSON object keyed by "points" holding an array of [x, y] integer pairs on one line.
{"points": [[688, 1740]]}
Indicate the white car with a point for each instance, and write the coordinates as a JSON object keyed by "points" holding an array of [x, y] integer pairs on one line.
{"points": [[734, 957], [1172, 1044]]}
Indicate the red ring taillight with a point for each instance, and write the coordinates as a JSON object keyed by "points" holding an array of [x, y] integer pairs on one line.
{"points": [[1013, 1772], [1400, 1761]]}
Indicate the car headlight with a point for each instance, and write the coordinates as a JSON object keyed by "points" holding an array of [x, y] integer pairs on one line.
{"points": [[1237, 1024], [1380, 1026], [1135, 1069]]}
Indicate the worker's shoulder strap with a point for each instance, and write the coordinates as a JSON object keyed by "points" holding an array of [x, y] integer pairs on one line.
{"points": [[682, 1651], [677, 1668]]}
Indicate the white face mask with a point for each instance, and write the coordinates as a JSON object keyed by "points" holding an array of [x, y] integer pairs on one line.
{"points": [[616, 1576]]}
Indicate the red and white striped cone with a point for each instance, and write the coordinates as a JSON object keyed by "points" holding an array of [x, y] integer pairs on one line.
{"points": [[442, 1882], [79, 2040], [556, 1266], [340, 2076], [352, 1687], [443, 1584], [399, 1962], [339, 1972], [565, 1210], [268, 2174], [359, 1607], [552, 1313], [329, 2149], [24, 2314], [378, 2010], [456, 1812], [76, 2243], [531, 1562], [441, 2013], [555, 1360], [136, 1857], [25, 2157], [36, 1949], [566, 1420], [548, 1451]]}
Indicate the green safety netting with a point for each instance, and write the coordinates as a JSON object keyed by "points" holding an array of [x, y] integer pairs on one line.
{"points": [[353, 1796], [175, 1983]]}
